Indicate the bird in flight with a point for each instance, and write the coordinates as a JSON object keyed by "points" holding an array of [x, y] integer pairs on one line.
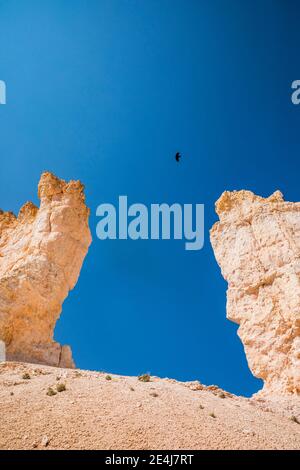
{"points": [[177, 156]]}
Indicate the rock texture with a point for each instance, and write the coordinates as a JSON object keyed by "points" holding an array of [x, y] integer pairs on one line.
{"points": [[257, 245], [41, 253]]}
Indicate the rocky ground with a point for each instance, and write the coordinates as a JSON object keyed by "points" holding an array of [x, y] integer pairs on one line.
{"points": [[101, 411]]}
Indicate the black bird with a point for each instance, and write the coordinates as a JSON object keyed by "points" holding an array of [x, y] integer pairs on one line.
{"points": [[177, 156]]}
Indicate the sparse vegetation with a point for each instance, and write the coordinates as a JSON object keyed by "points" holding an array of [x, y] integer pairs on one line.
{"points": [[61, 387], [108, 377], [51, 392], [212, 415], [293, 418], [144, 378], [26, 376], [154, 394]]}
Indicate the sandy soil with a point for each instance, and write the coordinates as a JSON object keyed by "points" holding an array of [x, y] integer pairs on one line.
{"points": [[124, 413]]}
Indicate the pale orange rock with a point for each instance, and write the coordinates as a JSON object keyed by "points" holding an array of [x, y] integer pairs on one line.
{"points": [[257, 245], [41, 254]]}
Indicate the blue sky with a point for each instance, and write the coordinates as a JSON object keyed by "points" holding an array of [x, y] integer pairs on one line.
{"points": [[106, 92]]}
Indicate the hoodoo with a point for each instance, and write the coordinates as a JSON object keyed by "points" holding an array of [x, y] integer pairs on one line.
{"points": [[41, 254], [257, 245]]}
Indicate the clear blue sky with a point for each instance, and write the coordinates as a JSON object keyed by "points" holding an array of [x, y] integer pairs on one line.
{"points": [[106, 92]]}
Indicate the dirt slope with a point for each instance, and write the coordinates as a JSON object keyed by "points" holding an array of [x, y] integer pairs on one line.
{"points": [[124, 413]]}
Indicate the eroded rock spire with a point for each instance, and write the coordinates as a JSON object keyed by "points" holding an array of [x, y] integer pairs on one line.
{"points": [[257, 245], [41, 254]]}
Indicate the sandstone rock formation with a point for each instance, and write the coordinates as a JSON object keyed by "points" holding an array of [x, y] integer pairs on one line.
{"points": [[257, 245], [41, 253]]}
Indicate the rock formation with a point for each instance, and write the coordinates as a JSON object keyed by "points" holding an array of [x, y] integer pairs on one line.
{"points": [[41, 253], [257, 245]]}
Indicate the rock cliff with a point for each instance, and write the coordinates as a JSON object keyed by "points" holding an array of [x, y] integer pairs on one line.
{"points": [[41, 254], [257, 245]]}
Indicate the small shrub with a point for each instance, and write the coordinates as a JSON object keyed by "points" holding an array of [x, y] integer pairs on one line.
{"points": [[222, 395], [51, 392], [293, 418], [212, 415], [61, 387], [108, 377], [26, 376], [201, 407], [154, 394], [132, 389], [144, 378]]}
